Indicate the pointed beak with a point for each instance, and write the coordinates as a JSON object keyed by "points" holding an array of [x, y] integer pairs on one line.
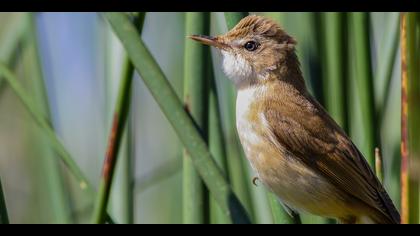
{"points": [[209, 40]]}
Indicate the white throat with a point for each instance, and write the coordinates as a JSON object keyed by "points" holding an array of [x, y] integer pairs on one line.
{"points": [[237, 69]]}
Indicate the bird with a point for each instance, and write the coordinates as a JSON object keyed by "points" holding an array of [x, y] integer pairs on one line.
{"points": [[293, 145]]}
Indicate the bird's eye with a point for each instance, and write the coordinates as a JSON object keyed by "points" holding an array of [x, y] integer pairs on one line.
{"points": [[251, 46]]}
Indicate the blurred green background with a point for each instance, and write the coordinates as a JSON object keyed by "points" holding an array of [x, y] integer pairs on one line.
{"points": [[80, 62]]}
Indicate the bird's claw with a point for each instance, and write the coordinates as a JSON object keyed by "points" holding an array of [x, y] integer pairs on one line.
{"points": [[254, 180]]}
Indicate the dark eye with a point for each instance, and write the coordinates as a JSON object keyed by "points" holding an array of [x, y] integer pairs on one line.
{"points": [[251, 45]]}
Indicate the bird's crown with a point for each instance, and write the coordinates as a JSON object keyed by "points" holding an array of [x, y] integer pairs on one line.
{"points": [[262, 26]]}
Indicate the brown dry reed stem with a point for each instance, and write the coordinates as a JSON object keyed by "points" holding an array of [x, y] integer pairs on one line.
{"points": [[413, 110], [121, 112], [404, 128]]}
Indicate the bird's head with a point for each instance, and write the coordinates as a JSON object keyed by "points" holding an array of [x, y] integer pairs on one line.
{"points": [[253, 49]]}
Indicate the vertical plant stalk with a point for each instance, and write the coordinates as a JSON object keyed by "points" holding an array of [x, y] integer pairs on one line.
{"points": [[4, 217], [404, 123], [54, 181], [386, 61], [334, 47], [174, 111], [364, 80], [128, 163], [195, 94], [120, 116], [216, 141], [232, 18], [44, 125]]}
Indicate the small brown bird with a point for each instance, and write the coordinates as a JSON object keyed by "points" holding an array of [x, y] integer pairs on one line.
{"points": [[297, 150]]}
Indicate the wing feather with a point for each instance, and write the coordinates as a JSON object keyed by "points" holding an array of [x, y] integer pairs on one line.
{"points": [[314, 137]]}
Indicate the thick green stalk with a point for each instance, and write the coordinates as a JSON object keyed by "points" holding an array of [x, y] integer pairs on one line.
{"points": [[232, 18], [364, 82], [216, 143], [121, 111], [4, 218], [334, 52], [386, 59], [174, 111], [304, 27], [195, 94], [44, 125], [54, 183]]}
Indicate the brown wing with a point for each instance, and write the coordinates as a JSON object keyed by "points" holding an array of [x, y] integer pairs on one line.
{"points": [[311, 135]]}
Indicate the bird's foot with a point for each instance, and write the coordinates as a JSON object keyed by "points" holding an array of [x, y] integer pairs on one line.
{"points": [[254, 180]]}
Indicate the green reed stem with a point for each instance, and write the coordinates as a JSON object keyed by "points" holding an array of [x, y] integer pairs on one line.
{"points": [[334, 51], [195, 94], [364, 79], [386, 59], [232, 18]]}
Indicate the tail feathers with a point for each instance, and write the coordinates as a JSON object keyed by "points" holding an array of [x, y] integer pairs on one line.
{"points": [[374, 217], [392, 212], [377, 218]]}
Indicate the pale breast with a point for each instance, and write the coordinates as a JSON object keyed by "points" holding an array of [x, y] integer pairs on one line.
{"points": [[247, 129], [295, 184]]}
